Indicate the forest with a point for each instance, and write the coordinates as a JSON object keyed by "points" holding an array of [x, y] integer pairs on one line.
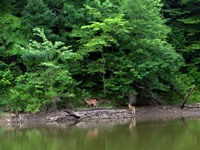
{"points": [[55, 53]]}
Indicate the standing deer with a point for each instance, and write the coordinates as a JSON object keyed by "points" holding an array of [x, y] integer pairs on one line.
{"points": [[91, 102], [132, 108]]}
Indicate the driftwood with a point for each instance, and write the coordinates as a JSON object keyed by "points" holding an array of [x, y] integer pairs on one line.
{"points": [[91, 114], [186, 97], [192, 106]]}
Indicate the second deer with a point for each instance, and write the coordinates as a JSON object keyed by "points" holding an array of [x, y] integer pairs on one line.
{"points": [[132, 108]]}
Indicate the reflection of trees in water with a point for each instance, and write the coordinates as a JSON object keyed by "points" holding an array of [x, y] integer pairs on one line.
{"points": [[10, 128], [194, 136], [2, 131], [27, 139]]}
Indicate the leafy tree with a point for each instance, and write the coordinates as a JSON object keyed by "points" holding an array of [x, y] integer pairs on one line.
{"points": [[11, 33], [118, 48], [37, 14], [128, 51], [183, 18], [47, 75]]}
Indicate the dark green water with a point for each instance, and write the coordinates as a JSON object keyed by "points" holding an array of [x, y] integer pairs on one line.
{"points": [[145, 135]]}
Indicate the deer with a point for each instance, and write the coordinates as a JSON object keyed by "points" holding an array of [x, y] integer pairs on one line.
{"points": [[91, 102], [132, 108]]}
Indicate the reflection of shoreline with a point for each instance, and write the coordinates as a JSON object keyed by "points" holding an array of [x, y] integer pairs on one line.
{"points": [[88, 124], [66, 125], [143, 114]]}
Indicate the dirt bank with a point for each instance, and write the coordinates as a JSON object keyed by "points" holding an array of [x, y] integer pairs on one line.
{"points": [[142, 113]]}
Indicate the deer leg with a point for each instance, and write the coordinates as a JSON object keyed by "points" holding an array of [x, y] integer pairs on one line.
{"points": [[95, 105]]}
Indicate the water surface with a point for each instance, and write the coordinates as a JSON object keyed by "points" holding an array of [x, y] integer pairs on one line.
{"points": [[178, 134]]}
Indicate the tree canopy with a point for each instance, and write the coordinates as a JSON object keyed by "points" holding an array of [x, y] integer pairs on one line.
{"points": [[54, 53]]}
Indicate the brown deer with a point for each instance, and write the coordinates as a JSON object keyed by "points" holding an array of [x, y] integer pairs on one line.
{"points": [[91, 102], [132, 108]]}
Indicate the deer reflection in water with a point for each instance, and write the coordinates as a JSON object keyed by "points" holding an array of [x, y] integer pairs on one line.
{"points": [[92, 133], [132, 123], [132, 129]]}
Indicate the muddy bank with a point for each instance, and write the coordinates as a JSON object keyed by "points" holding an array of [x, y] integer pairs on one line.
{"points": [[85, 115]]}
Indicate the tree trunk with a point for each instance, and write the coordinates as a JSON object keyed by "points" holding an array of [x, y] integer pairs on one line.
{"points": [[186, 97], [132, 98]]}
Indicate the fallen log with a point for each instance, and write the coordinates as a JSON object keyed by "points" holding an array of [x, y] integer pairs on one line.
{"points": [[192, 106], [92, 114]]}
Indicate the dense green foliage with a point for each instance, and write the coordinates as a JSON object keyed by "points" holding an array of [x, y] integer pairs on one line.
{"points": [[183, 18], [57, 52]]}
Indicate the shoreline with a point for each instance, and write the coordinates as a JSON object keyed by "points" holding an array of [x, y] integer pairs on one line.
{"points": [[100, 114]]}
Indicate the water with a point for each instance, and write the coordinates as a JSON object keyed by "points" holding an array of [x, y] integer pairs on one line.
{"points": [[125, 135]]}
